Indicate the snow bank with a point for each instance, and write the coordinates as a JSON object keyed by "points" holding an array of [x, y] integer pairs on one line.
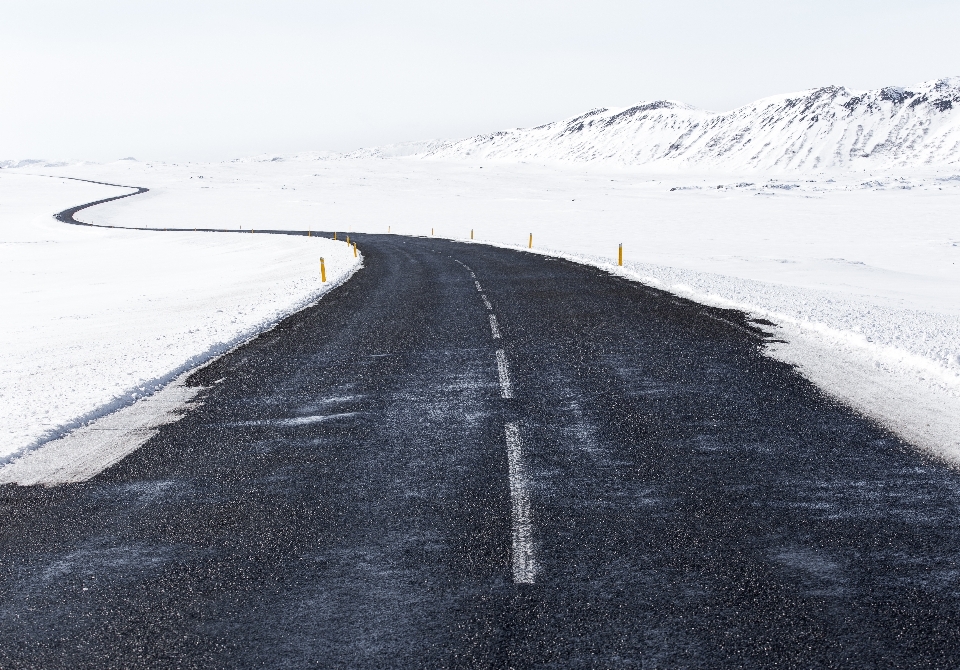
{"points": [[96, 318], [897, 366], [860, 271]]}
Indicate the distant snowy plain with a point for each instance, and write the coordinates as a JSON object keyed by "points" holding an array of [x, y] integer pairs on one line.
{"points": [[833, 214]]}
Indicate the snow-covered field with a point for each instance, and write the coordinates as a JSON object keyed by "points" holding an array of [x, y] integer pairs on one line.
{"points": [[94, 318], [833, 214], [860, 270]]}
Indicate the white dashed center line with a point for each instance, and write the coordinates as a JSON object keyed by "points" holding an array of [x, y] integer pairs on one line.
{"points": [[493, 327], [506, 390], [524, 565]]}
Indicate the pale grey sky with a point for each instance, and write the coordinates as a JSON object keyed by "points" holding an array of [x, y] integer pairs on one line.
{"points": [[201, 80]]}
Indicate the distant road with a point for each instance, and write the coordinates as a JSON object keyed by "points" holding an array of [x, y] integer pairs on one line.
{"points": [[67, 215], [474, 457]]}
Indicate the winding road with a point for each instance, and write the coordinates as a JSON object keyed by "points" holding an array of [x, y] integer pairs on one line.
{"points": [[468, 456]]}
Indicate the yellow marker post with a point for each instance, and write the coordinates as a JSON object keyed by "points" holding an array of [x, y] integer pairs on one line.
{"points": [[354, 249], [530, 244], [334, 236], [471, 233], [431, 231], [323, 271], [620, 255], [309, 233]]}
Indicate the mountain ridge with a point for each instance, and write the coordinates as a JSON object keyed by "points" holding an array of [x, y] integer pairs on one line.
{"points": [[824, 128]]}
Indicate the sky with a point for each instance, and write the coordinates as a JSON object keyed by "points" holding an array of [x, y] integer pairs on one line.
{"points": [[210, 80]]}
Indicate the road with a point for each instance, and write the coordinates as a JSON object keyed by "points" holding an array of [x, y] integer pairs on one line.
{"points": [[476, 457]]}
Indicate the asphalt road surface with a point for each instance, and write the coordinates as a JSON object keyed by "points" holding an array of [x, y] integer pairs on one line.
{"points": [[474, 457]]}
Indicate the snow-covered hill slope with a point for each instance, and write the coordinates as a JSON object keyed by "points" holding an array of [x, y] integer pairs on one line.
{"points": [[821, 129]]}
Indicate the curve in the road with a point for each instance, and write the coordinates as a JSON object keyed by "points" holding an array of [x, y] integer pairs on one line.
{"points": [[606, 475], [67, 215]]}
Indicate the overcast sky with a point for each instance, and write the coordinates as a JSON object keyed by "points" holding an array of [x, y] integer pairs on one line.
{"points": [[101, 80]]}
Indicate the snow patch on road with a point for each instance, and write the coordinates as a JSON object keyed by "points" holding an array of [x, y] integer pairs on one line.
{"points": [[92, 448]]}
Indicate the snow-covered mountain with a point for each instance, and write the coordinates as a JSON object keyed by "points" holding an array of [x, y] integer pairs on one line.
{"points": [[824, 128], [30, 162]]}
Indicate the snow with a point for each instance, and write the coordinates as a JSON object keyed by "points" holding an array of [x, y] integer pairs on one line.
{"points": [[819, 129], [95, 318], [830, 213], [859, 271], [90, 449]]}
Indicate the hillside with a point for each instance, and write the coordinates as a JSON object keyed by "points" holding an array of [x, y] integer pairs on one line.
{"points": [[825, 128]]}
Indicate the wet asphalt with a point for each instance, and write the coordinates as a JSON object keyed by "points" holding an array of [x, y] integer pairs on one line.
{"points": [[341, 497]]}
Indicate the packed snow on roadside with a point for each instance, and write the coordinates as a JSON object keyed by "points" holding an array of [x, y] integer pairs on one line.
{"points": [[858, 269], [94, 318]]}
